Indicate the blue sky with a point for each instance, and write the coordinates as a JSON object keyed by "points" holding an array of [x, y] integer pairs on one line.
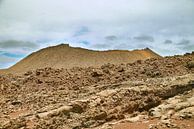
{"points": [[166, 26]]}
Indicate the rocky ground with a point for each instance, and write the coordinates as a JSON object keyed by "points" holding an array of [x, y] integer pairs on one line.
{"points": [[155, 93]]}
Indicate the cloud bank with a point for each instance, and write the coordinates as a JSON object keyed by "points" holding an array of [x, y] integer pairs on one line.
{"points": [[164, 26]]}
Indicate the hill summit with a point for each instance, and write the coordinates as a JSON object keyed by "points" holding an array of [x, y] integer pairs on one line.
{"points": [[65, 56]]}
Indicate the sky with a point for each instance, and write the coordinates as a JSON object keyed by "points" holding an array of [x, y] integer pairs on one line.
{"points": [[165, 26]]}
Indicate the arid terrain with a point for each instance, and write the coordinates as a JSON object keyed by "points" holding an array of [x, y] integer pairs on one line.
{"points": [[65, 56], [145, 92]]}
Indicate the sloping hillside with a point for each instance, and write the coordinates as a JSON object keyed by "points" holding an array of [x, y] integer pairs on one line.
{"points": [[154, 94], [64, 56]]}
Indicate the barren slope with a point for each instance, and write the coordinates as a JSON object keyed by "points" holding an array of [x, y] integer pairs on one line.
{"points": [[157, 93], [64, 56]]}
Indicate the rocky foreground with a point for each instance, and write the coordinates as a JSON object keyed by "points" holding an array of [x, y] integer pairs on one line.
{"points": [[154, 94]]}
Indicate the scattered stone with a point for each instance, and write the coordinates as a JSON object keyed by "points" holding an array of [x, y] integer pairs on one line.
{"points": [[77, 107], [100, 116], [16, 103], [55, 112], [153, 126], [137, 118], [97, 73], [190, 64]]}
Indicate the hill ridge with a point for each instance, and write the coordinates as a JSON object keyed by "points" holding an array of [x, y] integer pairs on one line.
{"points": [[65, 56]]}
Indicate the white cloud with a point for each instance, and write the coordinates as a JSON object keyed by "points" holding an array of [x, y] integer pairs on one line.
{"points": [[48, 22], [35, 19], [17, 44]]}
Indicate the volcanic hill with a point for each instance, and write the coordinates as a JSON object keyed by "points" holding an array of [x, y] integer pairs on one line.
{"points": [[65, 56]]}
